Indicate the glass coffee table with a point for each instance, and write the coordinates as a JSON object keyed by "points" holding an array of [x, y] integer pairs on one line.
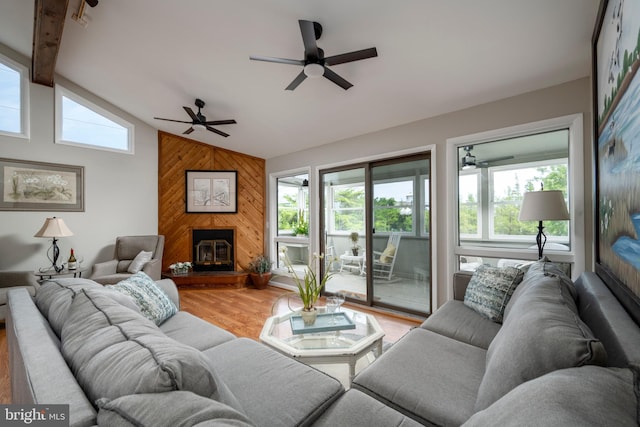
{"points": [[328, 350]]}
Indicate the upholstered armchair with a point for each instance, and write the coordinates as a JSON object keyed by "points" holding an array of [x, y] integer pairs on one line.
{"points": [[125, 263], [12, 280]]}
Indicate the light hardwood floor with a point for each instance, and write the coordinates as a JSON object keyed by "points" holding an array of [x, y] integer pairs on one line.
{"points": [[240, 311]]}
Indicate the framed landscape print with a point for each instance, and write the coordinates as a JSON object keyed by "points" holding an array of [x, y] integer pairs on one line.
{"points": [[211, 191], [37, 186], [616, 90]]}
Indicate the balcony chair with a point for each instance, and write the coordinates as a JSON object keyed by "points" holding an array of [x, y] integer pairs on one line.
{"points": [[122, 266], [384, 261]]}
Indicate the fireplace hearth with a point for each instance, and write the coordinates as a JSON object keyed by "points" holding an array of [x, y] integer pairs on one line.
{"points": [[213, 250]]}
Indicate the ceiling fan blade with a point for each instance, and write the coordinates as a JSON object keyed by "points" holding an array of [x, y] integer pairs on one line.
{"points": [[191, 114], [217, 131], [171, 120], [485, 163], [220, 122], [351, 56], [277, 60], [299, 79], [188, 131], [309, 39], [336, 79]]}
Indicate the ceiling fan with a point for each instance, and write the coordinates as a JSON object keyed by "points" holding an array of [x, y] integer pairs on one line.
{"points": [[199, 121], [469, 160], [314, 63]]}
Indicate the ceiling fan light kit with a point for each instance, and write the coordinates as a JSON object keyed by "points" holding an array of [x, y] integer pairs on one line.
{"points": [[314, 63]]}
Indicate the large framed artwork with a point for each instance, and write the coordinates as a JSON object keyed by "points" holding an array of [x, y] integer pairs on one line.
{"points": [[211, 191], [37, 186], [616, 93]]}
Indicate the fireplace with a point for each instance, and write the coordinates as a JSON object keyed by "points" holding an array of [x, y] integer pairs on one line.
{"points": [[213, 250]]}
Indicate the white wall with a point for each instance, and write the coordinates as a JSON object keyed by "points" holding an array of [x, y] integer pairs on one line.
{"points": [[121, 190], [569, 98]]}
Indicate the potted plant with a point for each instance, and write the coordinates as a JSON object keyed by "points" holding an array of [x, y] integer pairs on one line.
{"points": [[302, 226], [260, 271], [354, 239], [309, 288]]}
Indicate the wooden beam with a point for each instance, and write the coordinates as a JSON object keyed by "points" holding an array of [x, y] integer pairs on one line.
{"points": [[48, 23]]}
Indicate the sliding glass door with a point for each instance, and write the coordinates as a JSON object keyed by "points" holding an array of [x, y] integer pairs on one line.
{"points": [[375, 222]]}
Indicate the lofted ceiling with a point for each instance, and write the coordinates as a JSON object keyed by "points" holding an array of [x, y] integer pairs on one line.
{"points": [[152, 57]]}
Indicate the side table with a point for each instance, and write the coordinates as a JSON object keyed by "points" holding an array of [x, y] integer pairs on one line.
{"points": [[49, 274], [346, 261]]}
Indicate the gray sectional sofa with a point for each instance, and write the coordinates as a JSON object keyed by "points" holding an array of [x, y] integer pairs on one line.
{"points": [[565, 354], [82, 344]]}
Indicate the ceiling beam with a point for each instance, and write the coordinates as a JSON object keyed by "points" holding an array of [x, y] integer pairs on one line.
{"points": [[48, 23]]}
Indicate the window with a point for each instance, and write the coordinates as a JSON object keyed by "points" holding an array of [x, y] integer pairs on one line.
{"points": [[491, 171], [293, 205], [469, 215], [426, 219], [508, 185], [393, 205], [347, 208], [14, 107], [82, 123]]}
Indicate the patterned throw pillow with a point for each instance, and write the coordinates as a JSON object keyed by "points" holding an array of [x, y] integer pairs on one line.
{"points": [[490, 289], [154, 303]]}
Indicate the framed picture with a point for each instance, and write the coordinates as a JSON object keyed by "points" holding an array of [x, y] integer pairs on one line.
{"points": [[616, 107], [37, 186], [212, 191]]}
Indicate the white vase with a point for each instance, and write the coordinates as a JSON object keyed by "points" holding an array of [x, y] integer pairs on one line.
{"points": [[309, 317]]}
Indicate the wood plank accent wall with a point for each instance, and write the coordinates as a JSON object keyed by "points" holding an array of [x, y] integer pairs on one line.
{"points": [[177, 154]]}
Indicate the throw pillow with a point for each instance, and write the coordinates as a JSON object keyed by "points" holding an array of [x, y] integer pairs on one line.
{"points": [[150, 409], [114, 351], [490, 289], [153, 302], [586, 396], [388, 253], [139, 261]]}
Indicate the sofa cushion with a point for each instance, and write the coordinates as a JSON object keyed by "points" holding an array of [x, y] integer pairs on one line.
{"points": [[355, 408], [490, 289], [150, 409], [586, 396], [153, 302], [191, 330], [542, 333], [139, 261], [54, 298], [114, 351], [274, 389], [455, 320], [426, 376]]}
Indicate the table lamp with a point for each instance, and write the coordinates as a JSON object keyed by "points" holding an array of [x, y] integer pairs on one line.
{"points": [[543, 206], [54, 228]]}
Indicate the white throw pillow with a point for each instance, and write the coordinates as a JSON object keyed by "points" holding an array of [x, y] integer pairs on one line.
{"points": [[139, 261]]}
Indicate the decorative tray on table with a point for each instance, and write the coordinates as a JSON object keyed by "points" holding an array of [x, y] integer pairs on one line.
{"points": [[325, 322]]}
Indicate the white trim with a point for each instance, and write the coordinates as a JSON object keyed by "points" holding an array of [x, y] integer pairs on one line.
{"points": [[25, 111], [576, 255], [60, 92]]}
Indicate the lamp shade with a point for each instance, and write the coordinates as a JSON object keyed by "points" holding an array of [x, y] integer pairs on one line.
{"points": [[54, 227], [543, 206]]}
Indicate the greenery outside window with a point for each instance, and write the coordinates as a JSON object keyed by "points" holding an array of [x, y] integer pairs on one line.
{"points": [[393, 206], [347, 208], [14, 108], [81, 123], [469, 202], [293, 205]]}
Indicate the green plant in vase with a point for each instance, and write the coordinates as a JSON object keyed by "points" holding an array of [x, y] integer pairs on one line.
{"points": [[309, 287], [260, 271]]}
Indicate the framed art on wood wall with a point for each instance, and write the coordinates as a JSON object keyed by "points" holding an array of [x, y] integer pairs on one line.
{"points": [[616, 108], [211, 191], [38, 186]]}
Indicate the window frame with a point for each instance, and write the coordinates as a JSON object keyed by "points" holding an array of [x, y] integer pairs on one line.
{"points": [[60, 92], [24, 98], [577, 253]]}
